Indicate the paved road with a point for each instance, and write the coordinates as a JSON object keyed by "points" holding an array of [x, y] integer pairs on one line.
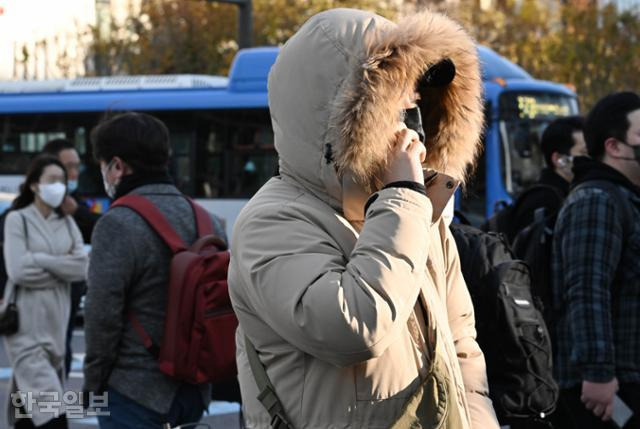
{"points": [[223, 415]]}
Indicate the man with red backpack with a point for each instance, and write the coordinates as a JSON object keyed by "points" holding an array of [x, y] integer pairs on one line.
{"points": [[146, 277]]}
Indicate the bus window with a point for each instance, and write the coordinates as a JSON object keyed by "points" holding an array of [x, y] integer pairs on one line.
{"points": [[215, 153], [237, 152], [181, 169], [253, 159], [24, 136], [80, 140], [523, 118]]}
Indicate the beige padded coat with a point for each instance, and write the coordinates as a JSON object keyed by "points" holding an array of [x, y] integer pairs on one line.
{"points": [[331, 296]]}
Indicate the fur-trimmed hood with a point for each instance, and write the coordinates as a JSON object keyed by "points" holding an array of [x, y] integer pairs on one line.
{"points": [[335, 97]]}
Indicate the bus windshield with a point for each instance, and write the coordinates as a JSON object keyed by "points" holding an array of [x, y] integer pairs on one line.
{"points": [[523, 116]]}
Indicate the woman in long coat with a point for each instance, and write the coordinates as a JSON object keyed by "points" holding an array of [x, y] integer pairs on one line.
{"points": [[43, 253]]}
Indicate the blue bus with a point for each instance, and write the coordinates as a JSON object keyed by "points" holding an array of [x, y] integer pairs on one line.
{"points": [[223, 148]]}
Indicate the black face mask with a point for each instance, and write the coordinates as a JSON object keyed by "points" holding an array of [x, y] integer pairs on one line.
{"points": [[635, 149], [413, 121], [636, 152]]}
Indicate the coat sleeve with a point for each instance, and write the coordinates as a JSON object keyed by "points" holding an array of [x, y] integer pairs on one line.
{"points": [[470, 357], [337, 307], [19, 261], [590, 240], [71, 267], [111, 269]]}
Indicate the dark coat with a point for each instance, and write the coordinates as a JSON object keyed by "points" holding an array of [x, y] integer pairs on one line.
{"points": [[549, 196], [85, 218]]}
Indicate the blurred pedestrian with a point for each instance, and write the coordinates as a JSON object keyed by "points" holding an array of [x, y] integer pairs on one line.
{"points": [[344, 276], [73, 205], [561, 142], [43, 253], [596, 271], [129, 277]]}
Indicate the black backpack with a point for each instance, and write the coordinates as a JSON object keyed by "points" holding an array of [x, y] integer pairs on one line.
{"points": [[534, 244], [510, 328], [504, 220]]}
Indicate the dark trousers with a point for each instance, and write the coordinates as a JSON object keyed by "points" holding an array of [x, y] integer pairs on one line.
{"points": [[187, 407], [57, 423], [78, 289], [572, 414]]}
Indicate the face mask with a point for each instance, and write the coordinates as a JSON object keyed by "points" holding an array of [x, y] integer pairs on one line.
{"points": [[449, 211], [72, 185], [250, 167], [636, 152], [109, 188], [52, 194]]}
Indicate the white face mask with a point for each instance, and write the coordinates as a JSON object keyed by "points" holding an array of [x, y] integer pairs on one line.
{"points": [[449, 209], [109, 188], [52, 193]]}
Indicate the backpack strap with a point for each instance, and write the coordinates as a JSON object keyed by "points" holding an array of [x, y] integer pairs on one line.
{"points": [[154, 217], [159, 223], [626, 216], [267, 395], [148, 343], [537, 188], [204, 223]]}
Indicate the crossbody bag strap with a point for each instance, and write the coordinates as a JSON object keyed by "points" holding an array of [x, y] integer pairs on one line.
{"points": [[67, 221], [26, 245], [267, 395]]}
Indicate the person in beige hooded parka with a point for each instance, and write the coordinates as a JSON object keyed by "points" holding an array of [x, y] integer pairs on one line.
{"points": [[349, 303]]}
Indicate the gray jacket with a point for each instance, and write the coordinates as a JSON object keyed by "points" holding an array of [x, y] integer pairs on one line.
{"points": [[128, 272]]}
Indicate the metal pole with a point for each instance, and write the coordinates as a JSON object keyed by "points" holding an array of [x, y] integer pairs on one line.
{"points": [[245, 25], [245, 21]]}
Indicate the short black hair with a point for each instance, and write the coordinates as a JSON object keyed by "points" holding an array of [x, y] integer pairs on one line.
{"points": [[609, 118], [558, 136], [139, 139], [54, 147]]}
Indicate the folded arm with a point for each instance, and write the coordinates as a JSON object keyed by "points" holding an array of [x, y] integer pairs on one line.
{"points": [[21, 266], [71, 267]]}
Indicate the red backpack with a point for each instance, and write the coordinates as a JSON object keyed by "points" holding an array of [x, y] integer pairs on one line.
{"points": [[198, 344]]}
